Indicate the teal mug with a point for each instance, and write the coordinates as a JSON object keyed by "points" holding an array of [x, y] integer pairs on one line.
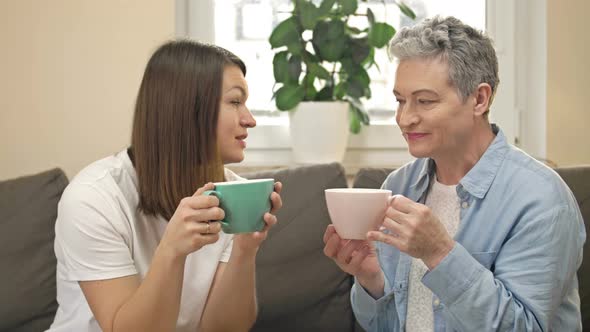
{"points": [[244, 202]]}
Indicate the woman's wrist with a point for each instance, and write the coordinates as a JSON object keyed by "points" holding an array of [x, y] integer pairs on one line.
{"points": [[169, 254], [442, 251], [374, 285], [244, 254]]}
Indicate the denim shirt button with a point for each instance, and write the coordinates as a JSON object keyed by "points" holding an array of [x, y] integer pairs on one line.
{"points": [[465, 205], [436, 302]]}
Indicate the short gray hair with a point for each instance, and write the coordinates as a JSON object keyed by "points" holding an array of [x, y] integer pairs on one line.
{"points": [[469, 53]]}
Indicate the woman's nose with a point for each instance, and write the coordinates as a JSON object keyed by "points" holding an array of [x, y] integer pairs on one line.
{"points": [[406, 118], [247, 120]]}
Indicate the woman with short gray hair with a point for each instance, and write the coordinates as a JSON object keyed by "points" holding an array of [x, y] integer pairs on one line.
{"points": [[479, 236]]}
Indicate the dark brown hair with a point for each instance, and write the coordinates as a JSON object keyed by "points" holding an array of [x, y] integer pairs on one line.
{"points": [[174, 139]]}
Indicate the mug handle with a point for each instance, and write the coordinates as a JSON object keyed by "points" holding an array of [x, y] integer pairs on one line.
{"points": [[225, 226]]}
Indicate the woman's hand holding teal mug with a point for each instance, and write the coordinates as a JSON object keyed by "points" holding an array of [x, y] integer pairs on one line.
{"points": [[249, 208], [245, 203]]}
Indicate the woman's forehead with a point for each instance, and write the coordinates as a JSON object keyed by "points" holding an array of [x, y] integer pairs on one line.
{"points": [[233, 78]]}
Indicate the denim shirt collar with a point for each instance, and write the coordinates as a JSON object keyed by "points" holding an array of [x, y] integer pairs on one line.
{"points": [[478, 180]]}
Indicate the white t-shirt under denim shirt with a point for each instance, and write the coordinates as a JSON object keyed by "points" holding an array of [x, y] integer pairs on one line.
{"points": [[517, 250], [444, 202], [100, 234]]}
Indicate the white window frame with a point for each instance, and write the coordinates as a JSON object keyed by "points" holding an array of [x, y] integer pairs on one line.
{"points": [[519, 31]]}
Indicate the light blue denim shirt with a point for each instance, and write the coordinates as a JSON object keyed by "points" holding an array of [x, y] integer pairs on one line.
{"points": [[516, 253]]}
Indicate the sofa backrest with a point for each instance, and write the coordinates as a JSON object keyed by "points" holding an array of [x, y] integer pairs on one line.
{"points": [[577, 178], [299, 288], [28, 208]]}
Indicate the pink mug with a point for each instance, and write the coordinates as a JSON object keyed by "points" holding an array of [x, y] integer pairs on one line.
{"points": [[355, 211]]}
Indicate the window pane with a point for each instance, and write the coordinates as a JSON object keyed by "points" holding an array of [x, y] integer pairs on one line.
{"points": [[243, 27]]}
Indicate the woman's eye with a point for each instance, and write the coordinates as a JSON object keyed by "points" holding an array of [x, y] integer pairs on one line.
{"points": [[236, 102], [425, 101]]}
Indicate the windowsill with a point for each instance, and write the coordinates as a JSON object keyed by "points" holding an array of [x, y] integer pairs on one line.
{"points": [[377, 145]]}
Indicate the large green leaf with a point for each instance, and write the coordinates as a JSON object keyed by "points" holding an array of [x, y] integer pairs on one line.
{"points": [[331, 50], [334, 29], [406, 10], [355, 89], [359, 109], [368, 92], [354, 30], [308, 79], [328, 30], [326, 6], [348, 7], [308, 15], [359, 49], [294, 68], [280, 67], [370, 61], [288, 96], [380, 34], [354, 121], [329, 40], [349, 66], [308, 85], [325, 94], [340, 90], [295, 48], [318, 71], [362, 76], [310, 57], [370, 17], [285, 33]]}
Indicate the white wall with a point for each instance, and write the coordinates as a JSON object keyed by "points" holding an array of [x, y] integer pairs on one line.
{"points": [[70, 70]]}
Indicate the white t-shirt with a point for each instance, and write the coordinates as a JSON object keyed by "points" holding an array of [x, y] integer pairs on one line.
{"points": [[444, 203], [100, 234]]}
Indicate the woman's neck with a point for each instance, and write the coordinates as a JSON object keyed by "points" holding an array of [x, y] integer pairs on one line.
{"points": [[452, 167]]}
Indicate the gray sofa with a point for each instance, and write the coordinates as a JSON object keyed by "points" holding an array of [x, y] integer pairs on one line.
{"points": [[299, 289]]}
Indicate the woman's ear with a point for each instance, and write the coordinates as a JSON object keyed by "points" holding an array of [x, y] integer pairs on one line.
{"points": [[483, 95]]}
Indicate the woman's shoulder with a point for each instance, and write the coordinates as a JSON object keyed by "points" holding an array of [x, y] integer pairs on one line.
{"points": [[408, 173], [107, 179]]}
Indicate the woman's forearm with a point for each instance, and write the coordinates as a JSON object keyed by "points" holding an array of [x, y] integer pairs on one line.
{"points": [[232, 302], [155, 305]]}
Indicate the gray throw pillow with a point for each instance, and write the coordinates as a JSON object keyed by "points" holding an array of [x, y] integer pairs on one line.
{"points": [[28, 209]]}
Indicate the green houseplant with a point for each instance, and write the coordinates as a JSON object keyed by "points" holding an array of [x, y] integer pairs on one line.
{"points": [[319, 56]]}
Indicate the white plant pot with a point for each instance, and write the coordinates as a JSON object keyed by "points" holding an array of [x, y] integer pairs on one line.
{"points": [[319, 132]]}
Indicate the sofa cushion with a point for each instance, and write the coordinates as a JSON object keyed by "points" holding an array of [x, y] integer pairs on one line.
{"points": [[370, 177], [28, 209], [577, 179], [299, 288]]}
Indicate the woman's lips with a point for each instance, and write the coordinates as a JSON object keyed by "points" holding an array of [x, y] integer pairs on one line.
{"points": [[242, 140], [415, 136]]}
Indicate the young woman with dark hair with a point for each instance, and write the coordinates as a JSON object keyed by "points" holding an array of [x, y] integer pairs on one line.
{"points": [[138, 246]]}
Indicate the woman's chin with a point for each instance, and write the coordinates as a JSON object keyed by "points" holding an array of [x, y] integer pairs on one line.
{"points": [[238, 158], [419, 153]]}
